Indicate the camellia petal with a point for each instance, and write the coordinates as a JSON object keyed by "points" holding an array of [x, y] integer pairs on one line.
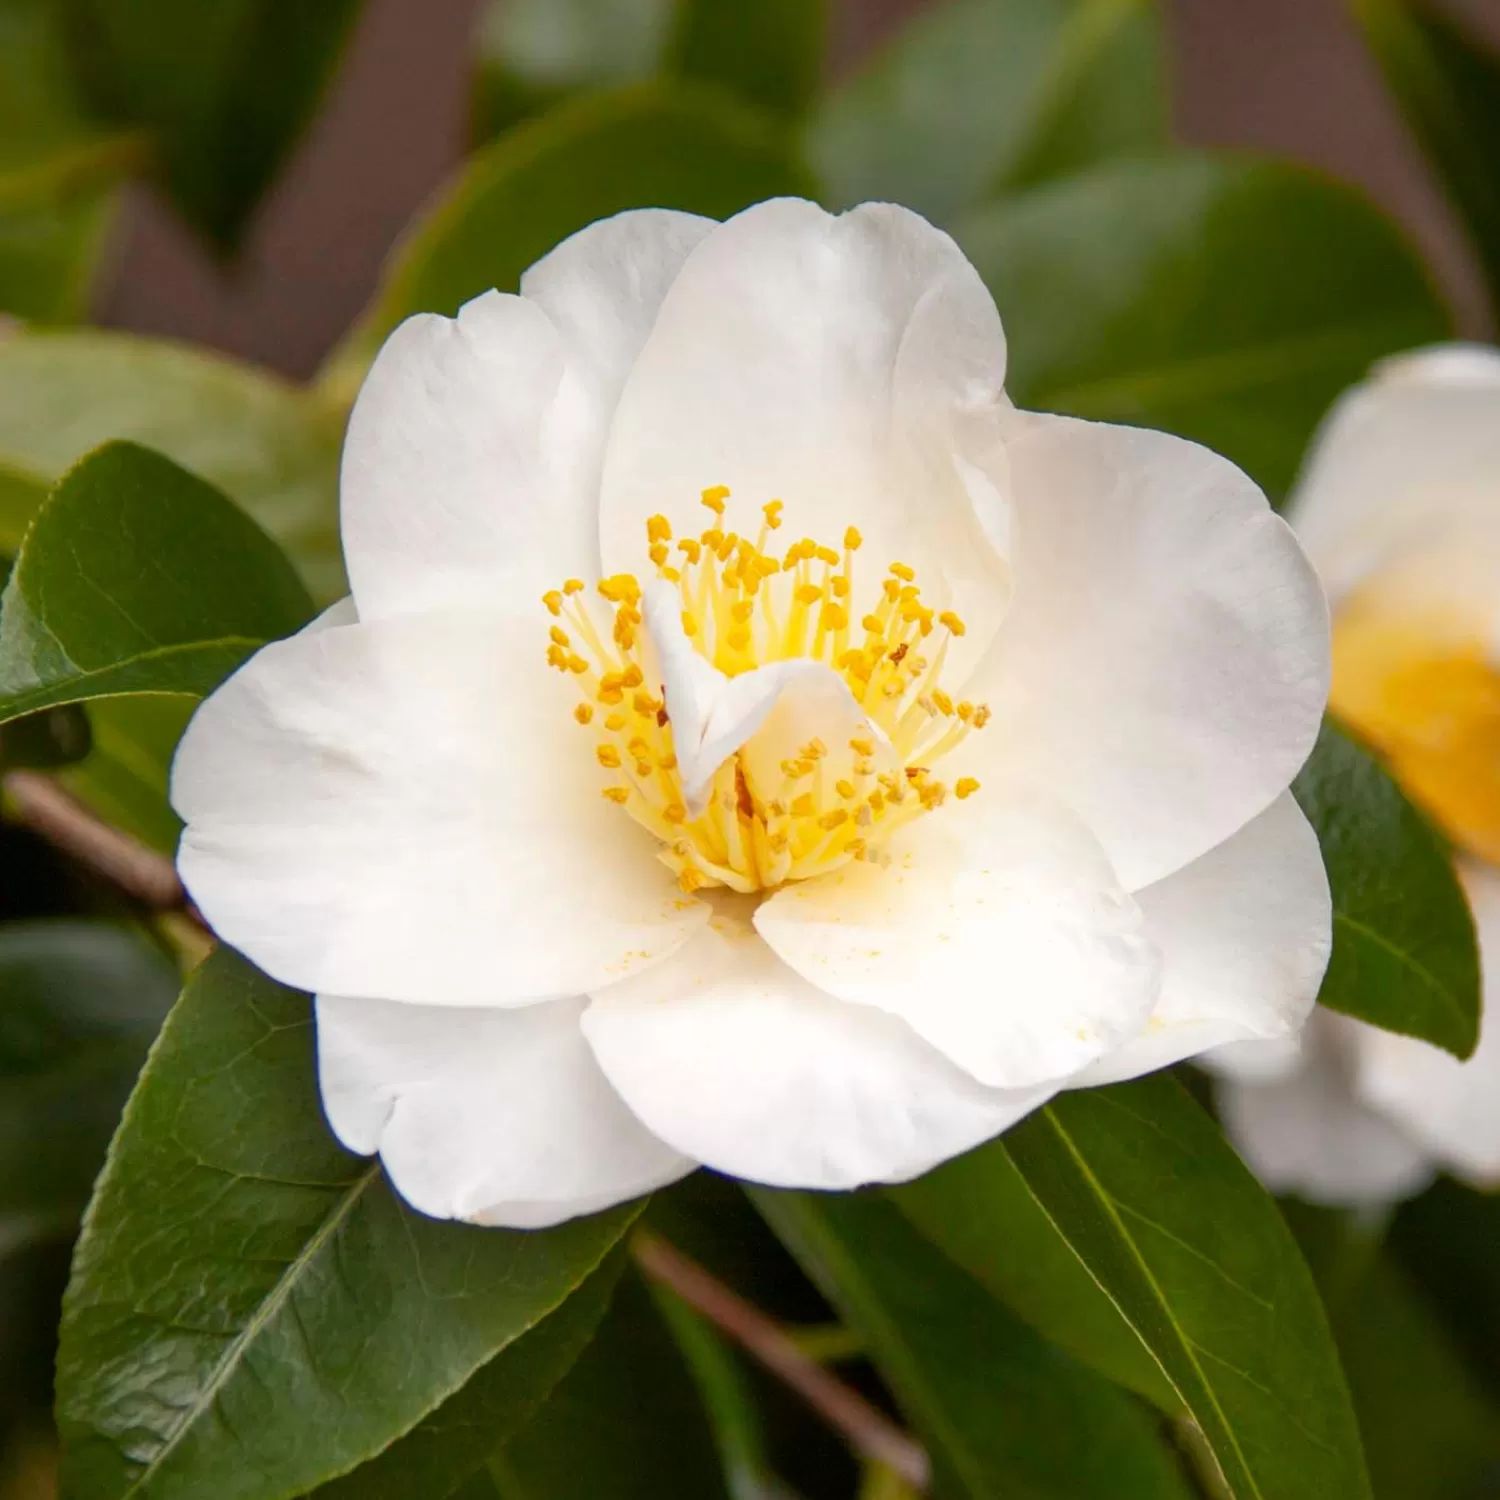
{"points": [[471, 465], [1402, 460], [1245, 933], [496, 1116], [1451, 1108], [998, 933], [832, 363], [399, 810], [1164, 665], [737, 1061], [1307, 1133]]}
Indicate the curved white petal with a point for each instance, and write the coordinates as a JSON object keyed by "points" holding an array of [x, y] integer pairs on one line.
{"points": [[998, 933], [1307, 1133], [1412, 454], [1451, 1107], [495, 1116], [1244, 934], [738, 1062], [851, 366], [407, 810], [471, 466], [1164, 665]]}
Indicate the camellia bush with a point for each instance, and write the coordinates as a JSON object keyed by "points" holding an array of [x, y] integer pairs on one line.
{"points": [[820, 825]]}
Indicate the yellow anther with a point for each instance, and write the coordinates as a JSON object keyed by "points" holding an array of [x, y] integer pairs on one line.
{"points": [[669, 763], [645, 705], [742, 610], [643, 768], [846, 790], [607, 756], [675, 812], [932, 794], [691, 879], [714, 498], [981, 715], [621, 588], [840, 586], [713, 538], [853, 540], [877, 802], [814, 750], [776, 808], [952, 622], [777, 843], [584, 713], [827, 555], [803, 806], [659, 553], [766, 566], [891, 589], [620, 794], [557, 657], [689, 622], [573, 586], [862, 746], [632, 677], [965, 710], [857, 847], [943, 701], [658, 529], [577, 665], [807, 593], [559, 636], [727, 547], [615, 722], [873, 624], [831, 820], [904, 573], [772, 510], [553, 600], [737, 638], [965, 786], [833, 617], [691, 548]]}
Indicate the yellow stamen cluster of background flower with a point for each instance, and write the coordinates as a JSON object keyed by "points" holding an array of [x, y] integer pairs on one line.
{"points": [[746, 605]]}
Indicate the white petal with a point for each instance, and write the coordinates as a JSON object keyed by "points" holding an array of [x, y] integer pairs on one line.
{"points": [[1164, 665], [471, 466], [851, 366], [738, 1062], [1307, 1134], [495, 1116], [1411, 455], [407, 810], [998, 933], [1245, 934], [1451, 1107], [774, 708]]}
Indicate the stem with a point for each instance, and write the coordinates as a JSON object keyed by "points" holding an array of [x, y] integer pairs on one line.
{"points": [[868, 1431]]}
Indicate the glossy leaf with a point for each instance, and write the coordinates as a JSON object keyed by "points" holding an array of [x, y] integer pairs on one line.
{"points": [[1194, 1254], [976, 98], [1001, 1411], [1448, 83], [626, 1422], [1225, 299], [80, 1002], [137, 577], [224, 89], [454, 1441], [769, 54], [980, 1212], [656, 146], [270, 447], [1404, 954], [253, 1311]]}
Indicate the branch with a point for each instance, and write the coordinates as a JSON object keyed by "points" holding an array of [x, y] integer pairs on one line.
{"points": [[42, 805], [871, 1434]]}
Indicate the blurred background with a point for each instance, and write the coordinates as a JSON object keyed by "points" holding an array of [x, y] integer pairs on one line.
{"points": [[1287, 76]]}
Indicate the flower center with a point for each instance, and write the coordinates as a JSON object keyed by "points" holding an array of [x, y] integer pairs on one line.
{"points": [[745, 606], [1419, 684]]}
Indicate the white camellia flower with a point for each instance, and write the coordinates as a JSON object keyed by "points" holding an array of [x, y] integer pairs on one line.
{"points": [[1400, 511], [753, 742]]}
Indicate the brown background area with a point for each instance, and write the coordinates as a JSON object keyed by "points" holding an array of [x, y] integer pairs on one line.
{"points": [[1289, 76]]}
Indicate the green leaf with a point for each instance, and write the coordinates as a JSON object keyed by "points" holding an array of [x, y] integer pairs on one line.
{"points": [[770, 54], [1404, 952], [658, 146], [137, 577], [626, 1422], [253, 1311], [976, 98], [454, 1441], [225, 89], [979, 1211], [1001, 1411], [1448, 82], [270, 447], [1192, 1251], [55, 737], [57, 170], [82, 1002], [1225, 299]]}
